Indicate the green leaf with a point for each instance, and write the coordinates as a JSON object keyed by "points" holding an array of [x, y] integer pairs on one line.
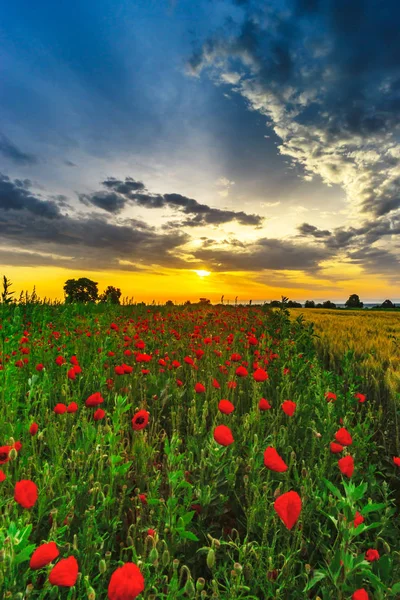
{"points": [[24, 555], [188, 535], [332, 488], [372, 507], [188, 517], [318, 576]]}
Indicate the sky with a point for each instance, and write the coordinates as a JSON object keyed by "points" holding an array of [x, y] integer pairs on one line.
{"points": [[181, 149]]}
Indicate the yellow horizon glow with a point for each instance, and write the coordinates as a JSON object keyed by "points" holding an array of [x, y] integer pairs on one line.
{"points": [[161, 284], [203, 273]]}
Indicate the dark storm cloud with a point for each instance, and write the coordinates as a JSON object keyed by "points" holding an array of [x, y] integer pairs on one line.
{"points": [[134, 192], [311, 230], [109, 201], [265, 254], [12, 152], [124, 187], [356, 245], [326, 75], [15, 195], [90, 242]]}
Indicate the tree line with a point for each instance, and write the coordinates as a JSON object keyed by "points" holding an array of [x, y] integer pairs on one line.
{"points": [[84, 290]]}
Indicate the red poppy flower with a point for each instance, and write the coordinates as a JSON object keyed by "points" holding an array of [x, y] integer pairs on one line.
{"points": [[94, 399], [358, 519], [260, 375], [289, 407], [264, 404], [26, 493], [223, 435], [44, 555], [151, 532], [72, 407], [336, 448], [197, 508], [226, 407], [179, 383], [343, 437], [143, 499], [215, 384], [126, 583], [396, 460], [2, 476], [4, 454], [330, 396], [273, 461], [241, 372], [199, 388], [99, 414], [140, 420], [33, 428], [60, 408], [65, 572], [39, 367], [288, 508], [360, 594], [71, 373], [119, 370], [360, 397], [372, 555], [346, 465]]}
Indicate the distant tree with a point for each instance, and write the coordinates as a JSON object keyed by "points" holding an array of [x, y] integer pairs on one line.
{"points": [[328, 304], [293, 304], [319, 305], [205, 301], [111, 295], [309, 304], [388, 304], [81, 290], [354, 302], [169, 303], [187, 303], [250, 301], [275, 303]]}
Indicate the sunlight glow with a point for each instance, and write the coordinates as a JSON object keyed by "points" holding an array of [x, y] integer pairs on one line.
{"points": [[202, 273]]}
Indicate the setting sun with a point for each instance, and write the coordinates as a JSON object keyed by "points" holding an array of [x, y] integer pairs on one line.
{"points": [[202, 273]]}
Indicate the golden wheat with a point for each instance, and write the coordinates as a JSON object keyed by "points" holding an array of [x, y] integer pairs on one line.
{"points": [[373, 336]]}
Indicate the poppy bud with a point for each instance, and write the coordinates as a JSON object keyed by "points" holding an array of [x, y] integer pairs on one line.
{"points": [[153, 556], [211, 558], [91, 594], [165, 558], [238, 567], [175, 564], [200, 583], [12, 454], [102, 566]]}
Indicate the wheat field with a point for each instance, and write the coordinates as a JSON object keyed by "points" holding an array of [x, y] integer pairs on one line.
{"points": [[373, 337]]}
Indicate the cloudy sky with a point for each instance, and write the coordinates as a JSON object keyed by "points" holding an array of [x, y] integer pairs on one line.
{"points": [[187, 148]]}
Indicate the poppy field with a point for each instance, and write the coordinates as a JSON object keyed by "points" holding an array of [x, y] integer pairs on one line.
{"points": [[190, 452]]}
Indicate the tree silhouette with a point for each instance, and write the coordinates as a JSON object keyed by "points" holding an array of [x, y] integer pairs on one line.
{"points": [[111, 295], [309, 304], [354, 302], [388, 304], [80, 290]]}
